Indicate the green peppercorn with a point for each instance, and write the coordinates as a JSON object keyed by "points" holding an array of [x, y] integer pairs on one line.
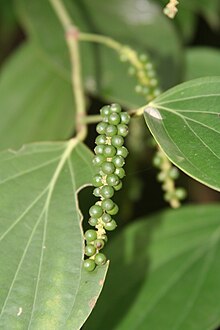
{"points": [[93, 221], [111, 130], [107, 204], [97, 180], [114, 210], [105, 238], [90, 235], [115, 108], [90, 250], [99, 244], [118, 186], [180, 193], [101, 139], [112, 180], [109, 151], [114, 118], [125, 118], [96, 192], [122, 151], [108, 167], [100, 128], [106, 217], [111, 225], [100, 259], [117, 141], [89, 265], [96, 211], [99, 149], [107, 191], [98, 160], [157, 161], [120, 172], [118, 161], [105, 111], [173, 173], [122, 130]]}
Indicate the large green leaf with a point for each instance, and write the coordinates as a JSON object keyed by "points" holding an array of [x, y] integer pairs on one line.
{"points": [[36, 101], [43, 285], [141, 28], [164, 274], [185, 122], [201, 62]]}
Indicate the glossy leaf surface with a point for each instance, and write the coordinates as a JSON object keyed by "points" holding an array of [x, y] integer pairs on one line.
{"points": [[185, 122], [43, 285], [164, 274]]}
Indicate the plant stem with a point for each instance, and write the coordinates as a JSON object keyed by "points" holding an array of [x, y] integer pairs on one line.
{"points": [[107, 41], [72, 36]]}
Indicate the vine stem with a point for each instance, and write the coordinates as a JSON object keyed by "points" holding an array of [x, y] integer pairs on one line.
{"points": [[72, 36]]}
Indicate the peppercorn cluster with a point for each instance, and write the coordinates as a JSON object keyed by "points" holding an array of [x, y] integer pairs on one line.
{"points": [[167, 175], [109, 160], [142, 68]]}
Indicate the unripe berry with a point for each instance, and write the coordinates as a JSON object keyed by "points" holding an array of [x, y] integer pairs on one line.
{"points": [[98, 160], [106, 217], [120, 172], [118, 161], [114, 210], [100, 128], [107, 204], [115, 108], [117, 141], [93, 221], [108, 167], [111, 130], [95, 211], [97, 180], [99, 149], [89, 265], [109, 151], [101, 139], [118, 186], [122, 130], [125, 118], [122, 151], [90, 250], [112, 180], [99, 244], [100, 259], [114, 118], [110, 225], [90, 235], [105, 111], [107, 191]]}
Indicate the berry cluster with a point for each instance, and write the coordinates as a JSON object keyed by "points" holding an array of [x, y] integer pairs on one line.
{"points": [[167, 175], [143, 70], [109, 161]]}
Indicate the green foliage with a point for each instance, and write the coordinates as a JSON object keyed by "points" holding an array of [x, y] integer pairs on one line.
{"points": [[185, 123], [43, 284], [164, 273], [164, 270]]}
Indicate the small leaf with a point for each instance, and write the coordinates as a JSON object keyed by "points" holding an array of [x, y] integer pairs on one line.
{"points": [[185, 121], [164, 274], [36, 100], [43, 285]]}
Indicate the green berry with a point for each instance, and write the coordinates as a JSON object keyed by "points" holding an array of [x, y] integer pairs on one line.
{"points": [[122, 151], [114, 118], [99, 244], [89, 265], [122, 130], [93, 221], [174, 173], [100, 128], [117, 141], [118, 161], [90, 235], [114, 210], [90, 250], [120, 172], [118, 186], [112, 180], [100, 259], [96, 192], [105, 111], [157, 161], [110, 225], [96, 211], [107, 204], [115, 108], [143, 58], [109, 151], [108, 167], [107, 191], [138, 89], [101, 139], [161, 176], [180, 193], [105, 238], [98, 160], [99, 149], [97, 180], [131, 71], [106, 217], [111, 130], [125, 118]]}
